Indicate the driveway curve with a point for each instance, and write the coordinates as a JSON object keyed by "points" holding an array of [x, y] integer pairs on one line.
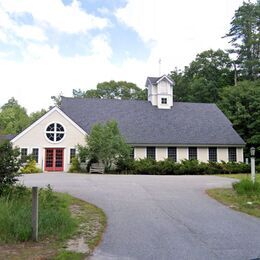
{"points": [[161, 217]]}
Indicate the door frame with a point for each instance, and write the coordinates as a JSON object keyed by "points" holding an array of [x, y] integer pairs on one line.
{"points": [[54, 168]]}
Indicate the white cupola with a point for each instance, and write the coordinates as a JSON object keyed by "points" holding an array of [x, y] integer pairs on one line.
{"points": [[160, 91]]}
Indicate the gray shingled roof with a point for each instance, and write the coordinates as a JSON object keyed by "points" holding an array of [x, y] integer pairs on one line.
{"points": [[6, 137], [153, 80], [142, 123]]}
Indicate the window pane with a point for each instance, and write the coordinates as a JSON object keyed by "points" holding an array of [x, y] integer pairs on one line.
{"points": [[23, 154], [232, 154], [213, 154], [151, 153], [59, 128], [50, 128], [35, 154], [164, 100], [132, 153], [72, 154], [172, 154], [50, 136], [192, 153], [59, 137]]}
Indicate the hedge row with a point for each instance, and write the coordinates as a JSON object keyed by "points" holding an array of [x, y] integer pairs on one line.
{"points": [[187, 167]]}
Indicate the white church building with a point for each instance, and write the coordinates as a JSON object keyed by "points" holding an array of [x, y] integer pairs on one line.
{"points": [[158, 128]]}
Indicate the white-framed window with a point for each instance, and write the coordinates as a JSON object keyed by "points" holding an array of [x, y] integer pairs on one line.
{"points": [[213, 154], [132, 153], [55, 132], [232, 154], [172, 153], [35, 154], [150, 151], [24, 153], [193, 153], [164, 100], [72, 154]]}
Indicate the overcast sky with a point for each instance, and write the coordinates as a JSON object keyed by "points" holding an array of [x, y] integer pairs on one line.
{"points": [[53, 46]]}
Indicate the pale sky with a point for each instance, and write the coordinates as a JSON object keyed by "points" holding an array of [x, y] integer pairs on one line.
{"points": [[53, 46]]}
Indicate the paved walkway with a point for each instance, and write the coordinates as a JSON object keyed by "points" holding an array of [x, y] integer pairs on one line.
{"points": [[161, 217]]}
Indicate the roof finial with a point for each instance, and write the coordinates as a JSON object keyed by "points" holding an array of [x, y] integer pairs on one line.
{"points": [[160, 61]]}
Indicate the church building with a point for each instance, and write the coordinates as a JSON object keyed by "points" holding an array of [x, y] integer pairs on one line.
{"points": [[158, 128]]}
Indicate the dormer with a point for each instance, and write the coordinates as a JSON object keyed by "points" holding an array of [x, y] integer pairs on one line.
{"points": [[160, 91]]}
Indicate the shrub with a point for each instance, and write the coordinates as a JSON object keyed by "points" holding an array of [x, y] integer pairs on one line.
{"points": [[257, 168], [75, 165], [190, 167], [30, 167], [168, 167], [9, 164], [247, 187], [145, 166], [233, 167], [124, 165]]}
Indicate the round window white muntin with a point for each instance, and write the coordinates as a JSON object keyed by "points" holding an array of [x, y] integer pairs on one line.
{"points": [[55, 132]]}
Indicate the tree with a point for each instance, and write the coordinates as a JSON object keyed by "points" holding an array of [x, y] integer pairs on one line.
{"points": [[13, 118], [112, 89], [202, 80], [241, 104], [105, 144], [36, 115], [245, 39], [9, 165], [57, 99]]}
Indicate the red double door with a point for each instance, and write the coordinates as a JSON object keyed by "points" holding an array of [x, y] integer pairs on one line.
{"points": [[54, 159]]}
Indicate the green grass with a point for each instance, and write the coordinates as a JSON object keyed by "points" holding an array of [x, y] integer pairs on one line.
{"points": [[15, 218], [240, 176], [244, 197], [61, 217], [249, 205]]}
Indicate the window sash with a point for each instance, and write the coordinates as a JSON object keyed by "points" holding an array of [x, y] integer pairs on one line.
{"points": [[172, 153], [213, 154], [72, 154], [150, 153], [132, 153], [24, 153], [164, 100], [232, 154], [35, 154], [193, 153]]}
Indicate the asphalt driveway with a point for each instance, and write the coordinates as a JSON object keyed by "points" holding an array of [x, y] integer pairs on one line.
{"points": [[161, 217]]}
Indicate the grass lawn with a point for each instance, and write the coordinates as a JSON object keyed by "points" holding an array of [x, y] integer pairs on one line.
{"points": [[229, 197], [69, 228], [240, 176]]}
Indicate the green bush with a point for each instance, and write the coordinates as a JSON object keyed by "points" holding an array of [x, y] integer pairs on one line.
{"points": [[233, 167], [75, 165], [9, 164], [30, 167], [247, 187], [145, 166], [15, 218], [169, 167], [257, 168]]}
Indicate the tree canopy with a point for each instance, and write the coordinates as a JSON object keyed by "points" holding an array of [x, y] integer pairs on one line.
{"points": [[202, 80], [241, 104], [14, 117], [113, 89], [244, 36], [105, 144]]}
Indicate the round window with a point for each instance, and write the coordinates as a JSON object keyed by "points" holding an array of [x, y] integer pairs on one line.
{"points": [[55, 132]]}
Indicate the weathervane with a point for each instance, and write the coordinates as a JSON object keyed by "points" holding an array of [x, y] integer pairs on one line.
{"points": [[160, 61]]}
